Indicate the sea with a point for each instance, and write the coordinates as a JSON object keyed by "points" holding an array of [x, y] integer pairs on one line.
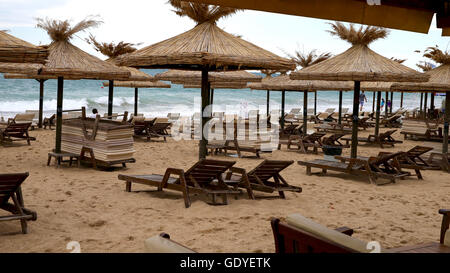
{"points": [[18, 95]]}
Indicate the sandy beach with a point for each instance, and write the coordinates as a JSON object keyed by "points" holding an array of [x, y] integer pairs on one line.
{"points": [[92, 207]]}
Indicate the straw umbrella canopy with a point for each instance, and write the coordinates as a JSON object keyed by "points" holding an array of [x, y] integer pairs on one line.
{"points": [[136, 85], [439, 82], [206, 48], [359, 63], [67, 61], [229, 76], [15, 50], [112, 51], [410, 15]]}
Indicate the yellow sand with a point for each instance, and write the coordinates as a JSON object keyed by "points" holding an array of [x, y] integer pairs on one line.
{"points": [[92, 207]]}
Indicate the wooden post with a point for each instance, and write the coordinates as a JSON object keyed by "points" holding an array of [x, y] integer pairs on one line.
{"points": [[425, 105], [446, 123], [340, 107], [59, 107], [373, 102], [268, 103], [205, 101], [377, 117], [421, 102], [110, 98], [432, 101], [355, 121], [305, 113], [211, 98], [283, 99], [392, 103], [401, 100], [315, 103], [41, 102], [136, 91], [386, 108]]}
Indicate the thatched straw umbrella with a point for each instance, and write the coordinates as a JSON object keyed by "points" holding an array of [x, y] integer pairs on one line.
{"points": [[206, 48], [136, 85], [67, 61], [439, 82], [15, 50], [112, 51], [359, 64]]}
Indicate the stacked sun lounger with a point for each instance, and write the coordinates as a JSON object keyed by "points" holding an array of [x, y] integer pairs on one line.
{"points": [[112, 144]]}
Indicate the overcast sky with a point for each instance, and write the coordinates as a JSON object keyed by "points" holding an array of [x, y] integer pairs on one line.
{"points": [[148, 22]]}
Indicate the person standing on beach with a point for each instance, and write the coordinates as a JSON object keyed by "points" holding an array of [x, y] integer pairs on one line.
{"points": [[362, 100], [94, 113], [382, 104]]}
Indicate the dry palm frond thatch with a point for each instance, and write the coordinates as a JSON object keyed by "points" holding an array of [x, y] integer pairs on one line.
{"points": [[359, 63], [139, 84], [66, 60], [400, 61], [437, 55], [302, 59], [15, 50], [201, 13], [425, 66], [111, 50]]}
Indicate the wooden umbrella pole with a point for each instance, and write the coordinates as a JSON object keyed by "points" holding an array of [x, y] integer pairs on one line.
{"points": [[283, 100], [211, 99], [110, 98], [268, 103], [401, 100], [136, 99], [421, 102], [373, 102], [446, 123], [315, 103], [386, 108], [41, 102], [340, 108], [432, 101], [392, 102], [355, 121], [59, 107], [377, 117], [425, 105], [305, 113], [203, 120]]}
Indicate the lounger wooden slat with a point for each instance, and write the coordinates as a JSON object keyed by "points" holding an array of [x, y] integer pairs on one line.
{"points": [[16, 131], [382, 139]]}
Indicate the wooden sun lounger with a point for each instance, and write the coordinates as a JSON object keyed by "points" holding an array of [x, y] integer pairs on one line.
{"points": [[305, 236], [303, 143], [10, 188], [258, 178], [374, 168], [233, 145], [382, 139], [142, 127], [159, 129], [392, 121], [415, 155], [16, 131], [204, 177], [49, 122], [333, 140]]}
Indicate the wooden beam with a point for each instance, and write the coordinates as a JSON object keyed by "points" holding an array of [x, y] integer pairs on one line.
{"points": [[136, 100], [340, 107], [59, 107], [203, 120], [305, 113], [355, 120], [377, 115], [446, 123], [110, 98]]}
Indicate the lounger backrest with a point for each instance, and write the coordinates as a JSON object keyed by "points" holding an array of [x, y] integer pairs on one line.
{"points": [[158, 126], [330, 110], [161, 120], [9, 183], [268, 169], [17, 128], [384, 158], [24, 118], [314, 137], [418, 151], [206, 170], [387, 134]]}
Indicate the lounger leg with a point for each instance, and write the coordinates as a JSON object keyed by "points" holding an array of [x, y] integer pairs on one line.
{"points": [[124, 164], [224, 199], [214, 199], [23, 222], [128, 186], [49, 159], [308, 170], [419, 174]]}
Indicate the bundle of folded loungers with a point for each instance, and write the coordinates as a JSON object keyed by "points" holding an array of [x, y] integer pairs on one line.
{"points": [[112, 142]]}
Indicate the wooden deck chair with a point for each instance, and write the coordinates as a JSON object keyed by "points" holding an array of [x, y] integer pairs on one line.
{"points": [[415, 155], [10, 189], [258, 178], [16, 131], [142, 127], [333, 140], [302, 235], [382, 139], [295, 111], [22, 118], [322, 117], [163, 244], [303, 143], [240, 147], [330, 110], [404, 162], [49, 122], [159, 128], [373, 168], [204, 177], [392, 121]]}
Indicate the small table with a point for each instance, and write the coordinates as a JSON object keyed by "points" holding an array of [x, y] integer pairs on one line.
{"points": [[59, 158]]}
